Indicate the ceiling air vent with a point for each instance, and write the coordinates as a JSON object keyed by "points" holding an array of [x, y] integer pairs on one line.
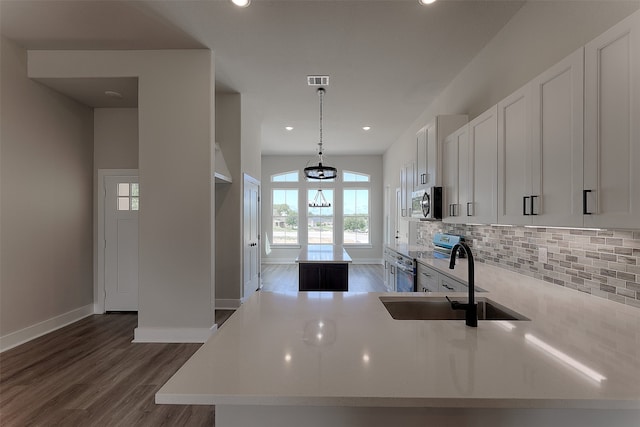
{"points": [[318, 80]]}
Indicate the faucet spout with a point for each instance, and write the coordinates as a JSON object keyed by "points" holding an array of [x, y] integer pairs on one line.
{"points": [[471, 308]]}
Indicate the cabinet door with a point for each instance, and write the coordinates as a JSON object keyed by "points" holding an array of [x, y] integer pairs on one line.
{"points": [[335, 277], [309, 277], [514, 158], [427, 279], [406, 188], [422, 158], [612, 127], [451, 174], [557, 102], [481, 203]]}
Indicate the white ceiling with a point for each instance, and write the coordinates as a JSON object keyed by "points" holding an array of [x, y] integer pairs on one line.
{"points": [[387, 60]]}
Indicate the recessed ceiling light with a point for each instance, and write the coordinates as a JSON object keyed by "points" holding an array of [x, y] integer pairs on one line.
{"points": [[426, 1], [113, 94], [241, 3], [366, 127], [289, 127]]}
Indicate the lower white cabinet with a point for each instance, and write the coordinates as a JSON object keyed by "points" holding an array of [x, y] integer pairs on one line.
{"points": [[428, 279], [431, 280]]}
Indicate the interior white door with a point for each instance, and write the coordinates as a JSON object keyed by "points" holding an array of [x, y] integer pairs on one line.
{"points": [[121, 206], [251, 231]]}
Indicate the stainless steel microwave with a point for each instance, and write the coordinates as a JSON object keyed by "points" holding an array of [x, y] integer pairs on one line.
{"points": [[427, 204]]}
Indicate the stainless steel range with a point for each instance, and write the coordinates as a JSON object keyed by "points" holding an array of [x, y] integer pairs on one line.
{"points": [[401, 271]]}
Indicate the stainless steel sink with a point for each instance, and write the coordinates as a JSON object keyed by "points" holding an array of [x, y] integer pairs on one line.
{"points": [[436, 308]]}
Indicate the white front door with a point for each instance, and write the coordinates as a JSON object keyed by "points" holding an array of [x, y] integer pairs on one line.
{"points": [[121, 206], [251, 232]]}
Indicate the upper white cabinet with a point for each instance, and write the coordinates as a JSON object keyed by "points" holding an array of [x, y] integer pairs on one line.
{"points": [[455, 180], [515, 186], [470, 162], [407, 176], [557, 142], [612, 127], [481, 203], [540, 146], [428, 148]]}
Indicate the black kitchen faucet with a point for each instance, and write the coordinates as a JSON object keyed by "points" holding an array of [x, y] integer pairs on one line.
{"points": [[471, 308]]}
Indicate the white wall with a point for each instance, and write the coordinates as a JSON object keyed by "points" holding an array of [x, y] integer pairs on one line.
{"points": [[229, 202], [46, 204], [371, 165], [540, 34], [176, 152], [115, 138]]}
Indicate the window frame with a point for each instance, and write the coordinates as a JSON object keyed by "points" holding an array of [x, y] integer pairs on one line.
{"points": [[344, 216], [297, 230]]}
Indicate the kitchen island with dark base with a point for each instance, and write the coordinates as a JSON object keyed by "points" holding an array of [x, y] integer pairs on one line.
{"points": [[323, 268]]}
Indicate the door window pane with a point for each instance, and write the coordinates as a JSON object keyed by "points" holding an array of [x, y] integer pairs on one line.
{"points": [[123, 189], [123, 203]]}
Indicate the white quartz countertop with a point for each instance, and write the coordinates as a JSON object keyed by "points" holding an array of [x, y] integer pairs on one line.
{"points": [[344, 349], [323, 254]]}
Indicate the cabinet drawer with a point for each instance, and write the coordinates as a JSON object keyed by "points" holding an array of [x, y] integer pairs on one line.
{"points": [[449, 285]]}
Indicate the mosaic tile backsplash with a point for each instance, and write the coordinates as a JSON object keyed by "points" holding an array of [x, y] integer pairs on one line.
{"points": [[604, 263]]}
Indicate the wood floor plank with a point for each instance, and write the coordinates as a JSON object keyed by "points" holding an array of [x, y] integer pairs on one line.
{"points": [[91, 374]]}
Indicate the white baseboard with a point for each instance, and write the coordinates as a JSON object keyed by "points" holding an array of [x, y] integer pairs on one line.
{"points": [[29, 333], [173, 335], [227, 304], [367, 261]]}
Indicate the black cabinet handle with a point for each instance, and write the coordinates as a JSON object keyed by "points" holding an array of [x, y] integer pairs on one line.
{"points": [[468, 203], [532, 199], [524, 205], [585, 211]]}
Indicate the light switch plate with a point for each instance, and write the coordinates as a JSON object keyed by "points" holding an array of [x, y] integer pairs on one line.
{"points": [[542, 255]]}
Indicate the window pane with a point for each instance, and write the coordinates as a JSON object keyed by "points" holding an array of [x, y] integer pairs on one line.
{"points": [[320, 219], [135, 203], [285, 177], [356, 216], [123, 189], [285, 217], [135, 190], [354, 177], [123, 202]]}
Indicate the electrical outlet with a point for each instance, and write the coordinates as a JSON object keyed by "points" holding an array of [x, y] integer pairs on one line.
{"points": [[542, 255]]}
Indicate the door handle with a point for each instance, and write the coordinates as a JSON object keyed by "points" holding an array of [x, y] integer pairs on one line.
{"points": [[524, 205], [585, 211], [532, 200]]}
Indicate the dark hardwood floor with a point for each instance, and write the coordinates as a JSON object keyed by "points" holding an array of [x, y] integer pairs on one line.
{"points": [[91, 374]]}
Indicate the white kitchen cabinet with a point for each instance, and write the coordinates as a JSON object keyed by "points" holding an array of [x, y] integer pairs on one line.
{"points": [[428, 279], [447, 284], [611, 193], [455, 174], [515, 186], [407, 176], [557, 142], [480, 206], [429, 140]]}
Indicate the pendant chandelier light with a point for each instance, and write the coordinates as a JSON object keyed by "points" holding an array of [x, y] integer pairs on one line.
{"points": [[319, 201], [320, 171]]}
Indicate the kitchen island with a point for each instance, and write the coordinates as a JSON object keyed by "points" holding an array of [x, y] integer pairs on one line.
{"points": [[340, 359], [323, 268]]}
